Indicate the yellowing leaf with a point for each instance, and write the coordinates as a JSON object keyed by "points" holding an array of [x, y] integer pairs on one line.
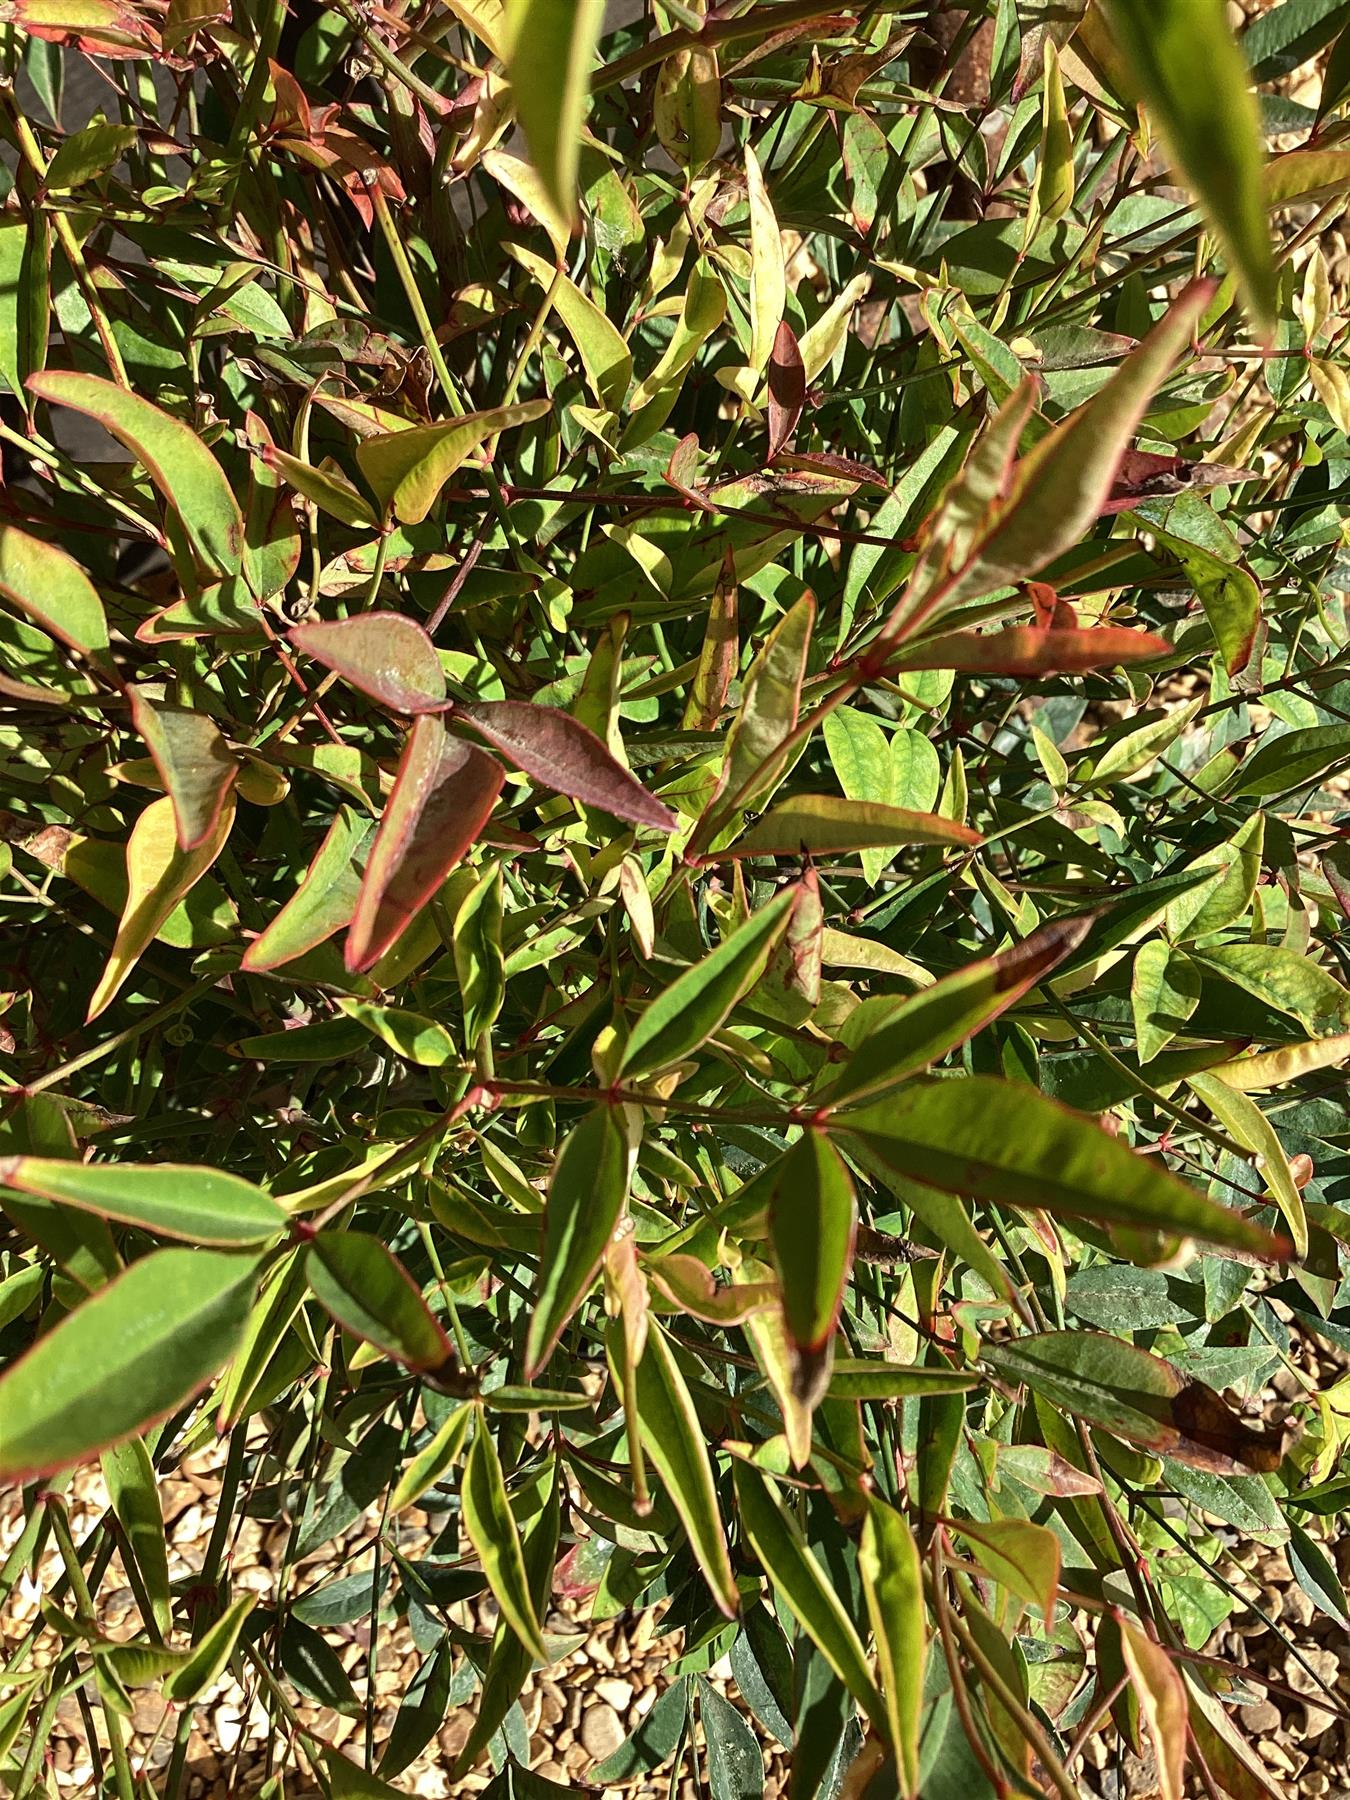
{"points": [[408, 469], [159, 874], [549, 46], [768, 269]]}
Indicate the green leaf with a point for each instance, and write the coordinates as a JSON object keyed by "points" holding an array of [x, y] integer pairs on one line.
{"points": [[1283, 979], [1281, 764], [496, 1539], [202, 1205], [88, 153], [325, 900], [133, 1494], [1003, 1142], [407, 469], [735, 1766], [381, 654], [210, 1654], [674, 1023], [768, 270], [1164, 992], [1243, 1119], [605, 356], [549, 47], [892, 1576], [1315, 1575], [654, 1742], [673, 1439], [175, 458], [801, 1583], [51, 588], [408, 1034], [770, 700], [812, 1221], [587, 1193], [478, 954], [434, 1461], [864, 1378], [443, 793], [1229, 594], [823, 823], [1136, 1396], [922, 1028], [1132, 753], [509, 1659], [369, 1292], [324, 486], [1194, 79], [194, 762], [128, 1356], [1022, 1556]]}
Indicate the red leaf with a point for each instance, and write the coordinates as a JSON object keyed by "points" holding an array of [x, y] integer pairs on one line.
{"points": [[1145, 475], [443, 793], [552, 748], [382, 654], [1025, 650], [787, 388]]}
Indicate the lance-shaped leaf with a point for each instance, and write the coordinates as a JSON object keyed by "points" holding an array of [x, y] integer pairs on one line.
{"points": [[586, 1196], [549, 50], [1270, 1068], [719, 656], [1137, 1396], [382, 654], [509, 1659], [53, 590], [1287, 762], [924, 1027], [1012, 522], [495, 1536], [813, 1218], [442, 795], [866, 1378], [1243, 1119], [1229, 594], [175, 458], [326, 898], [133, 1494], [324, 486], [369, 1292], [1002, 1141], [1164, 992], [554, 748], [674, 1442], [821, 823], [1024, 1557], [1162, 1701], [605, 356], [194, 762], [692, 1007], [768, 269], [1024, 650], [159, 875], [178, 1200], [892, 1576], [1188, 69], [769, 705], [787, 389], [434, 1460], [210, 1654], [801, 1583], [125, 1358], [407, 469]]}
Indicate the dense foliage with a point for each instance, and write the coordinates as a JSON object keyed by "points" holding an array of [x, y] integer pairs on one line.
{"points": [[675, 699]]}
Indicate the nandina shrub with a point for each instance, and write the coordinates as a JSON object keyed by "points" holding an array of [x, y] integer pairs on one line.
{"points": [[675, 703]]}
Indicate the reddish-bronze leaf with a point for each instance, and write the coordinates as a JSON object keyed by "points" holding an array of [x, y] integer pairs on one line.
{"points": [[1025, 650], [787, 388], [381, 654], [1145, 475], [442, 796], [553, 748]]}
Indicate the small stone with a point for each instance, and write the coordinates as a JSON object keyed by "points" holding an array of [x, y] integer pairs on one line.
{"points": [[454, 1734], [552, 1706], [601, 1730], [615, 1692], [1258, 1721], [147, 1711]]}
